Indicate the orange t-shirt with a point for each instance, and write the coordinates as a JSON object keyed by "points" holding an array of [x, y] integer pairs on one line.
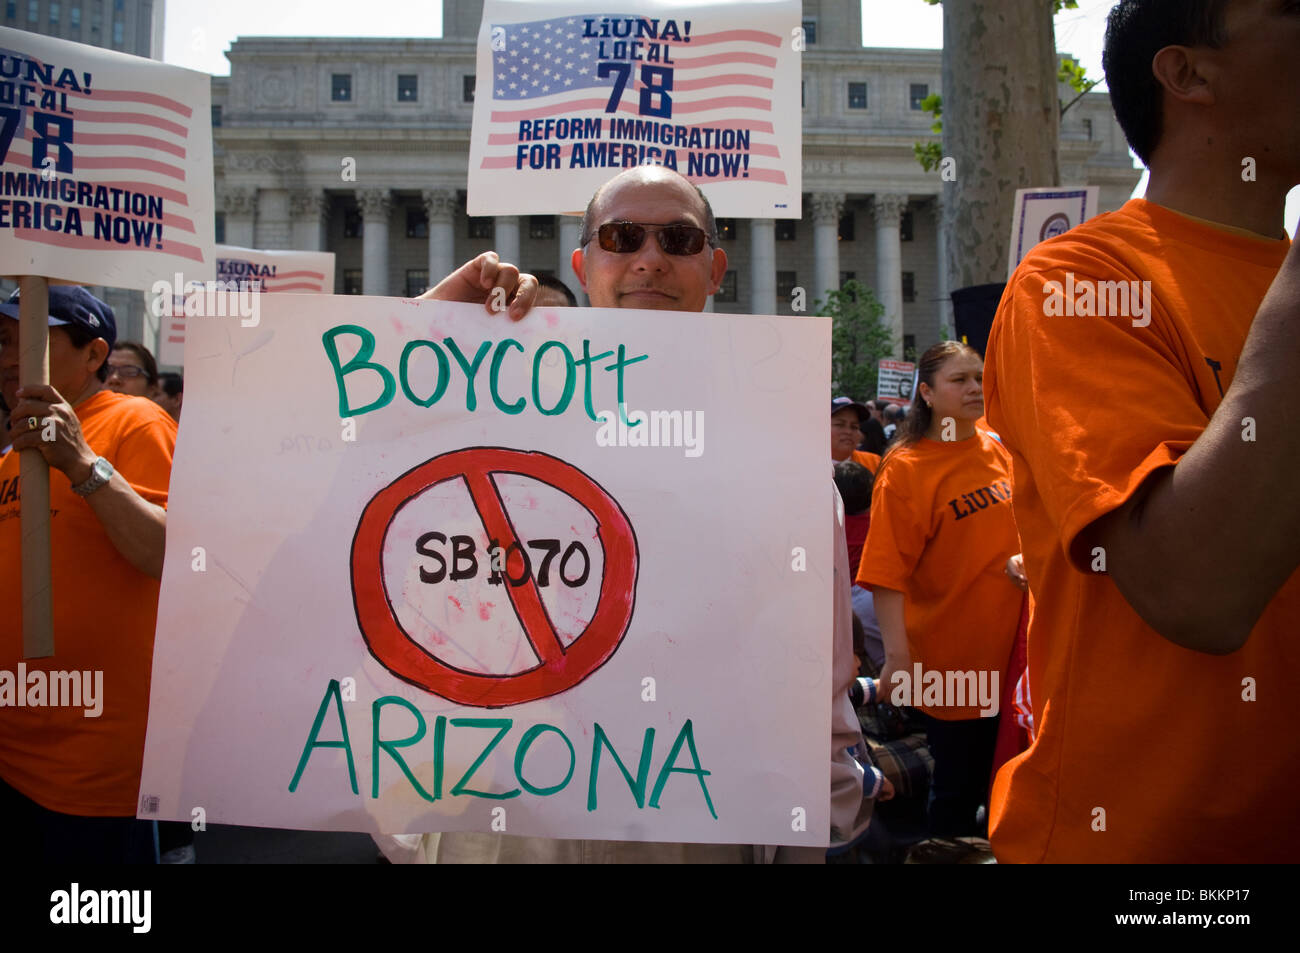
{"points": [[869, 460], [1157, 736], [941, 533], [104, 617]]}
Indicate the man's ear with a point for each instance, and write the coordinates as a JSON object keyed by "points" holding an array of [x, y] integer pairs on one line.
{"points": [[96, 354], [579, 263], [1186, 74], [719, 269]]}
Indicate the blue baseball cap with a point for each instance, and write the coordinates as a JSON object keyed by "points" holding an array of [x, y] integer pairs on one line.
{"points": [[841, 403], [73, 306]]}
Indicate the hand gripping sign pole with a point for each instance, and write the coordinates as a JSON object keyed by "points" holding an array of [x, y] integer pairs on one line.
{"points": [[34, 472]]}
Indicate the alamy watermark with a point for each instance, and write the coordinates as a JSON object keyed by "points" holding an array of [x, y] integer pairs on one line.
{"points": [[234, 298], [41, 689], [946, 689], [1083, 297], [658, 428]]}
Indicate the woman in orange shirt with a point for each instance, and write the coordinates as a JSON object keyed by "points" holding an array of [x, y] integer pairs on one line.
{"points": [[941, 534]]}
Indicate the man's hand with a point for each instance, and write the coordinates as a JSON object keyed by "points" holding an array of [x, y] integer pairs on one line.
{"points": [[886, 790], [44, 421], [497, 285]]}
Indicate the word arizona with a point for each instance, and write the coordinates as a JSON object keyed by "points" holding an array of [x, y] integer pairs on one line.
{"points": [[1085, 298]]}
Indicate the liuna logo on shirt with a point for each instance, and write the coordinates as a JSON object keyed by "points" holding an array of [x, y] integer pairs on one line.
{"points": [[981, 499]]}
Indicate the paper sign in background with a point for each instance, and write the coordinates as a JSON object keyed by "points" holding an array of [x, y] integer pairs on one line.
{"points": [[1041, 214], [105, 165], [568, 93], [258, 614]]}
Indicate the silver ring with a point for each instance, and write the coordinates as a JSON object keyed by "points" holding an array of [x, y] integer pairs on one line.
{"points": [[32, 423]]}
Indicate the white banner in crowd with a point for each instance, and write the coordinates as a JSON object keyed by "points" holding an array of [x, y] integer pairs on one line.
{"points": [[1041, 214], [255, 269], [569, 92], [895, 380], [422, 575], [105, 165]]}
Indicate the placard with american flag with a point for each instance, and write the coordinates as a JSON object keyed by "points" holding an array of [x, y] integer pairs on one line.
{"points": [[105, 165], [257, 269], [570, 93]]}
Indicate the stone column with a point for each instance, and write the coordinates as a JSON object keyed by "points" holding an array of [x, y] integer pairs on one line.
{"points": [[240, 206], [827, 209], [310, 209], [947, 324], [570, 235], [440, 205], [274, 226], [762, 264], [375, 205], [888, 209], [506, 230]]}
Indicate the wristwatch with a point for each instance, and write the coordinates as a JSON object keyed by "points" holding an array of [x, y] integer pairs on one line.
{"points": [[101, 471]]}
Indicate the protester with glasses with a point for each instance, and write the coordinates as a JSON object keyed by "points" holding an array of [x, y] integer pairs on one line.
{"points": [[132, 370]]}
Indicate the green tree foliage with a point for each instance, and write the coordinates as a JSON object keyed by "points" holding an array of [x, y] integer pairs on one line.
{"points": [[858, 339]]}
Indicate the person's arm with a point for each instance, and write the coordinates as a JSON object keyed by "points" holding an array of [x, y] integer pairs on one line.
{"points": [[1201, 548], [136, 527], [898, 658], [476, 281]]}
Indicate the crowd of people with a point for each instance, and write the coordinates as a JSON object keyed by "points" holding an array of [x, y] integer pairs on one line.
{"points": [[1099, 527]]}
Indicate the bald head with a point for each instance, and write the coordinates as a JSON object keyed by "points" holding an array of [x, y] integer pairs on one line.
{"points": [[640, 176], [649, 277]]}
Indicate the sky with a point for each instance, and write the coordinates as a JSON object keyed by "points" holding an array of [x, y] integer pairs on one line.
{"points": [[198, 32]]}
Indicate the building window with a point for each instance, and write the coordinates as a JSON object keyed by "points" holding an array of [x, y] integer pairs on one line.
{"points": [[216, 116], [119, 5], [809, 31], [909, 286], [846, 277], [857, 95], [55, 12], [803, 94], [727, 229], [726, 292], [96, 21], [341, 87], [33, 12], [417, 282], [541, 227], [1087, 128], [785, 282], [352, 281], [74, 19], [467, 88], [918, 94], [909, 347], [220, 223], [408, 88], [417, 226], [118, 29], [846, 227], [11, 9], [482, 227], [785, 229], [352, 223], [905, 227]]}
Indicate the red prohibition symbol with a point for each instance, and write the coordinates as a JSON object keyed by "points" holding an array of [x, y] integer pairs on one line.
{"points": [[560, 668]]}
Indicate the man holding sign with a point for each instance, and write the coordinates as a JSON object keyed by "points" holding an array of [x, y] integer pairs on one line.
{"points": [[71, 739], [649, 241]]}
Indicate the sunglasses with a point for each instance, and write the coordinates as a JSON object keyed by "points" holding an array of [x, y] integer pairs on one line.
{"points": [[624, 238]]}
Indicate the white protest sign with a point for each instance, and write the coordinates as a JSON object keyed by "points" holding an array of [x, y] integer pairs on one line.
{"points": [[567, 91], [1041, 214], [419, 570], [895, 380], [249, 269], [105, 164]]}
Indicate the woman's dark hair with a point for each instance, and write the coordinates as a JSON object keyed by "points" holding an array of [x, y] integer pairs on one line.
{"points": [[918, 419], [1136, 30], [142, 352], [80, 337], [854, 483]]}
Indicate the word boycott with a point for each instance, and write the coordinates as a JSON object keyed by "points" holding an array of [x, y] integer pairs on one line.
{"points": [[500, 728]]}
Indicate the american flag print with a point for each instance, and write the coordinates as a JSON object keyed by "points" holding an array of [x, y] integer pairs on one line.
{"points": [[105, 164], [567, 99]]}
